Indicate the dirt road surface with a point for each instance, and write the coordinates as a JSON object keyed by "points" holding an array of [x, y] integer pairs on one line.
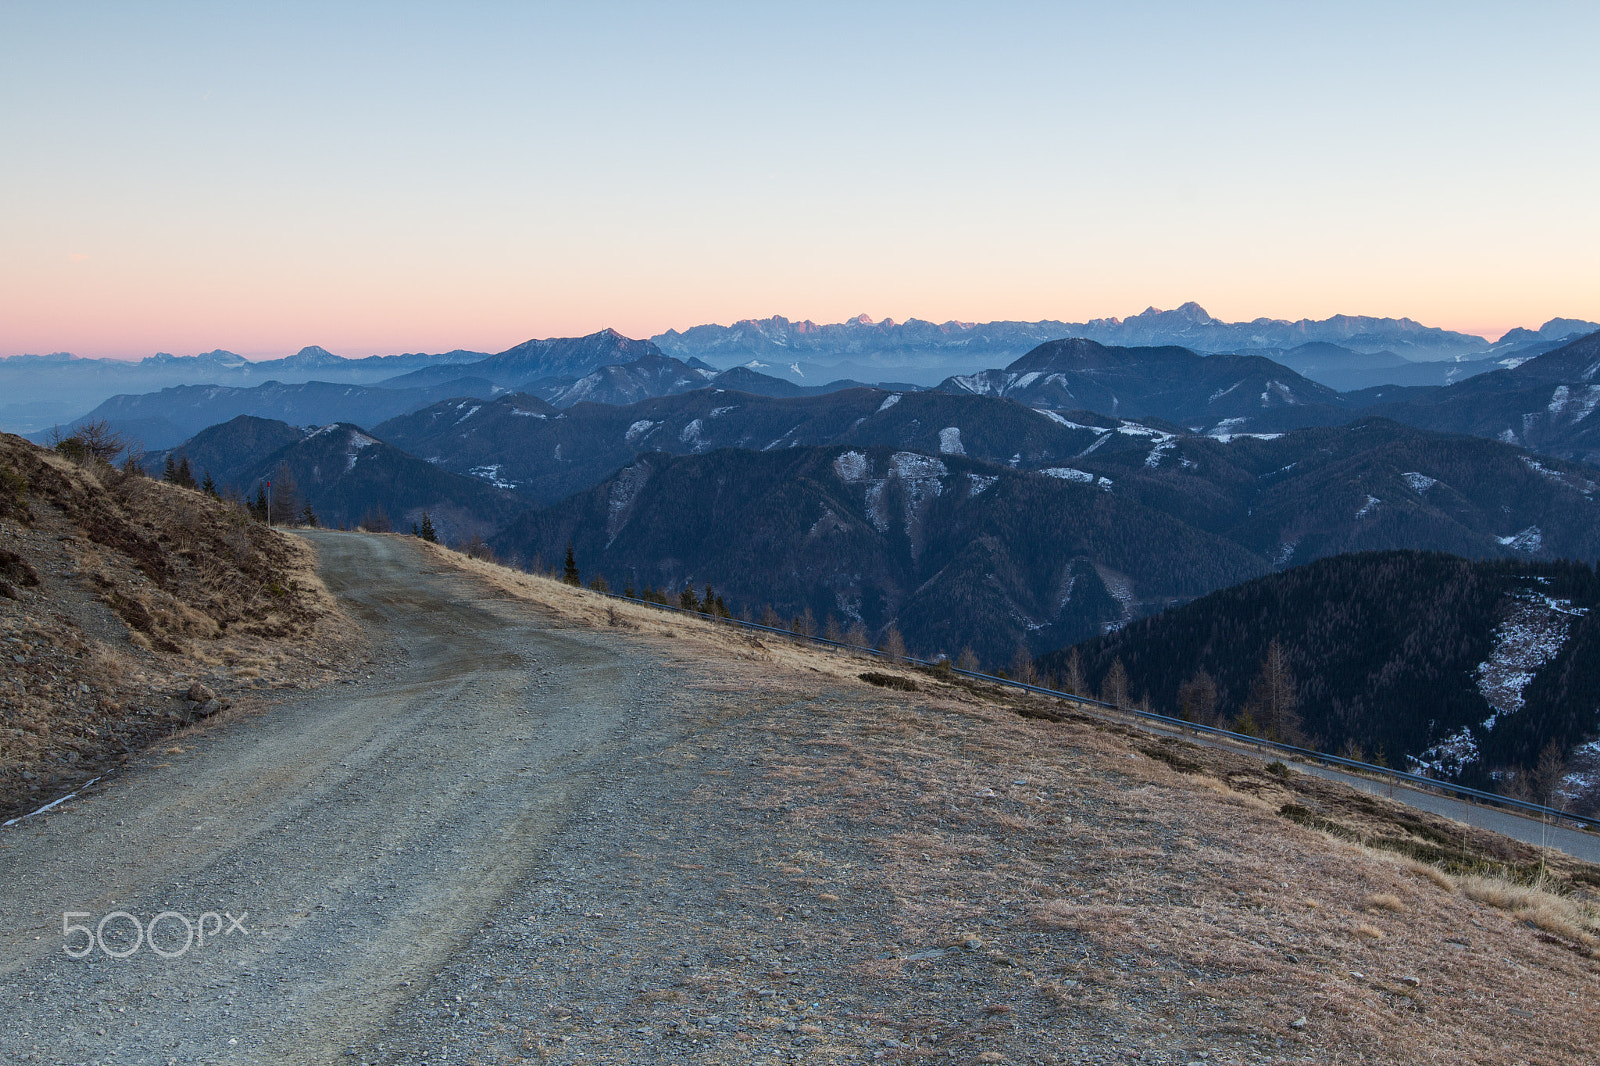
{"points": [[363, 834], [528, 835]]}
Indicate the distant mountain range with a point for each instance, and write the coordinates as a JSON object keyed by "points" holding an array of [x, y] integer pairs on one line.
{"points": [[37, 392], [346, 474], [548, 455], [890, 343], [1133, 525], [1231, 502], [1171, 383], [1544, 403], [163, 419]]}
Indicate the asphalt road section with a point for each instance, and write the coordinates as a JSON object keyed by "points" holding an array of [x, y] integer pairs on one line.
{"points": [[1578, 843], [314, 864]]}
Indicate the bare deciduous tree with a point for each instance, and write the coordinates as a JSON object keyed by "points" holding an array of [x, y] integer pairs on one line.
{"points": [[1114, 690], [1274, 697], [894, 645], [1197, 698]]}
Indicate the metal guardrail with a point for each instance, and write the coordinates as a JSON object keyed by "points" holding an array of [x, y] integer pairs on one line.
{"points": [[1260, 743]]}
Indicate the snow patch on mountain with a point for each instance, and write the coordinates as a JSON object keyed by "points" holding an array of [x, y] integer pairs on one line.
{"points": [[1052, 416], [888, 402], [1101, 439], [1121, 589], [950, 441], [491, 474], [1067, 473], [911, 466], [1448, 757], [1528, 540], [358, 441], [619, 502], [1531, 634], [1419, 483], [852, 467]]}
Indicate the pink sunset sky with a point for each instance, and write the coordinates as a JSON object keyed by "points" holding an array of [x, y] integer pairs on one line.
{"points": [[412, 178]]}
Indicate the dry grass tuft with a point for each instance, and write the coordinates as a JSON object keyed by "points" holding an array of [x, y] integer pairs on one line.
{"points": [[1385, 901], [1536, 904]]}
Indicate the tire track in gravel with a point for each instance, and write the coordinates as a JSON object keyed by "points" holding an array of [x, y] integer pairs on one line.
{"points": [[368, 829]]}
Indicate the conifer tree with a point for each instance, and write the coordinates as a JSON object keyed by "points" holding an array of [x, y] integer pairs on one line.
{"points": [[185, 476], [428, 534], [569, 572], [169, 471], [209, 487], [308, 517], [258, 508]]}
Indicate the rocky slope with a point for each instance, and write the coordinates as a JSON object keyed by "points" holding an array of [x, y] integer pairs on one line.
{"points": [[127, 608]]}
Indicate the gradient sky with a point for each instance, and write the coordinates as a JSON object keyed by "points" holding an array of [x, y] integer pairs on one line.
{"points": [[417, 177]]}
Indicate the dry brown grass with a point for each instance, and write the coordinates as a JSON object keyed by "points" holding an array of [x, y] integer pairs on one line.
{"points": [[1151, 891], [1576, 920]]}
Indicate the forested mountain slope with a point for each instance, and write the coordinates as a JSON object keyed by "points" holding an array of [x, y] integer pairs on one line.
{"points": [[1229, 393], [547, 454], [1460, 667], [1546, 404], [957, 552]]}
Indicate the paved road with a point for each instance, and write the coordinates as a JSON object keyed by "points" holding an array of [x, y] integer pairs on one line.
{"points": [[361, 832], [1574, 842]]}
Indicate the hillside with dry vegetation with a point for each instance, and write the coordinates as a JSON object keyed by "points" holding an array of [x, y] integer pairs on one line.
{"points": [[130, 607], [944, 868]]}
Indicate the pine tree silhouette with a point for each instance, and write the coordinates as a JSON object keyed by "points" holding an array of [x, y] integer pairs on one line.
{"points": [[569, 572]]}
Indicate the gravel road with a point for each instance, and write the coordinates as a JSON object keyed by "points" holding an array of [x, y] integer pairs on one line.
{"points": [[360, 834]]}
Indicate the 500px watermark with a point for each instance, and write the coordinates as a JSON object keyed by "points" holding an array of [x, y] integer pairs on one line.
{"points": [[119, 934]]}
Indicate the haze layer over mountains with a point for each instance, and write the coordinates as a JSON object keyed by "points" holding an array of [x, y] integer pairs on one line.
{"points": [[1343, 352]]}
